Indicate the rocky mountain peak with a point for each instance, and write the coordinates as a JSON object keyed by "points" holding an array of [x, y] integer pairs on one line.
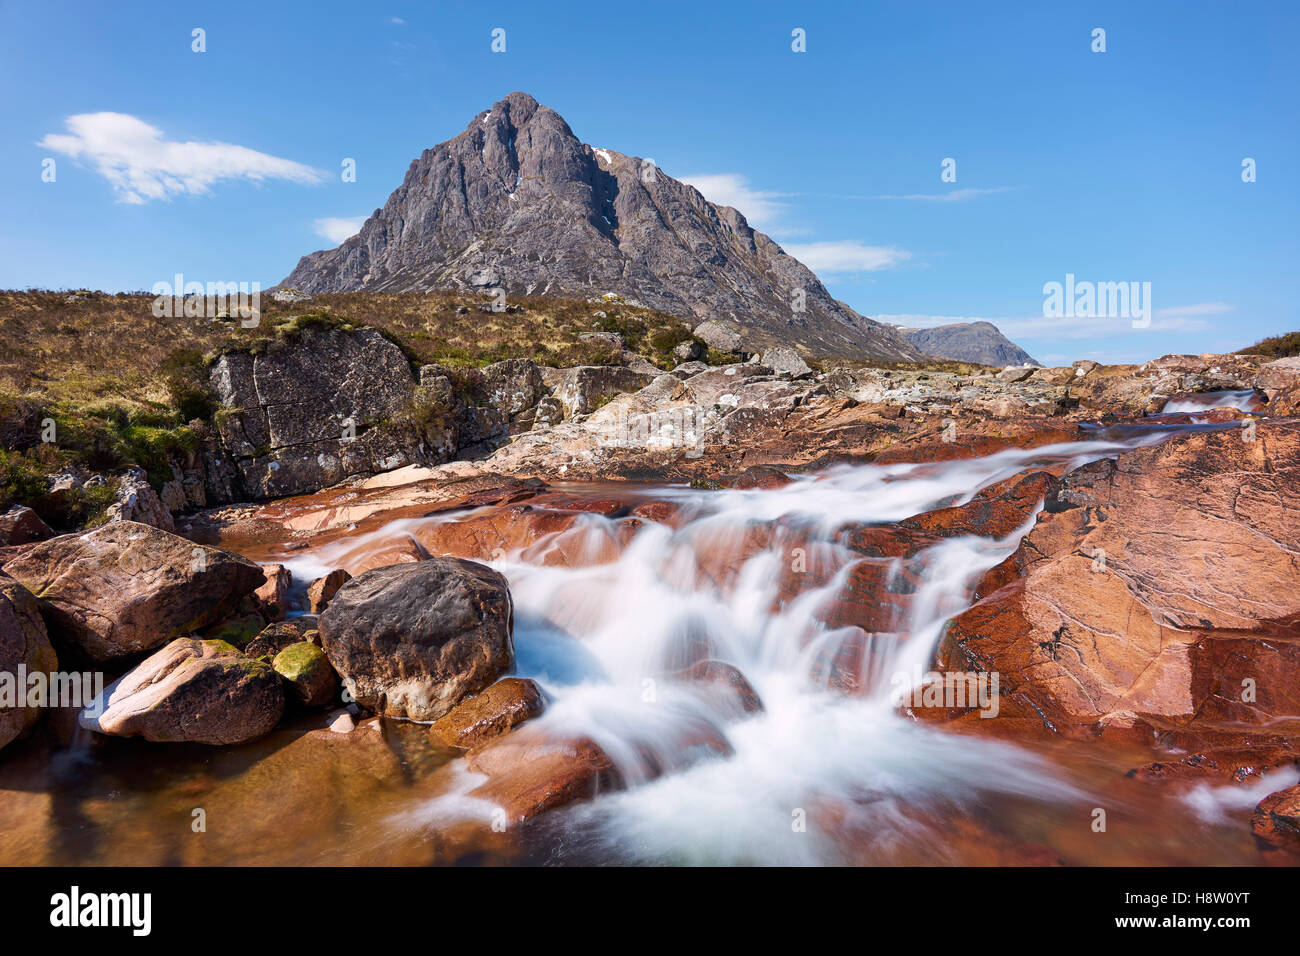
{"points": [[518, 202]]}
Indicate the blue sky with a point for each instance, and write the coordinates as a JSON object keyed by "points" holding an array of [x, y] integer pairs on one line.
{"points": [[1115, 166]]}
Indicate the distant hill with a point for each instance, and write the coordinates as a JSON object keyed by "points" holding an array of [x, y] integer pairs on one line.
{"points": [[517, 202], [969, 342]]}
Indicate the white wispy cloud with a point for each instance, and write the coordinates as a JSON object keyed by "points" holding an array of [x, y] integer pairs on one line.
{"points": [[338, 228], [141, 164], [760, 207], [846, 255], [397, 21]]}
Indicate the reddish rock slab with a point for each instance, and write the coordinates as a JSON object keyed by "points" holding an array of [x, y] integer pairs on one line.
{"points": [[127, 587], [1276, 823], [22, 525], [321, 591], [530, 774], [272, 598], [1165, 585], [503, 706]]}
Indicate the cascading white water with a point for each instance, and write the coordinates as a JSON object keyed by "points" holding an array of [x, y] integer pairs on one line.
{"points": [[707, 783], [1244, 400]]}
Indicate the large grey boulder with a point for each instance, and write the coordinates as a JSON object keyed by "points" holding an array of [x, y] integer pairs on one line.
{"points": [[719, 335], [412, 640], [128, 587], [786, 361], [309, 412], [582, 390], [193, 691]]}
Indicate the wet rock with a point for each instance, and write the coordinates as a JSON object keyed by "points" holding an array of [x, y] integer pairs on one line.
{"points": [[413, 640], [22, 525], [203, 692], [274, 638], [307, 672], [23, 643], [272, 598], [128, 587], [323, 589], [1161, 589], [503, 706], [731, 685], [1276, 822], [529, 774]]}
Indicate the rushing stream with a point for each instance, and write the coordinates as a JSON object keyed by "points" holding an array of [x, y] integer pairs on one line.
{"points": [[821, 774]]}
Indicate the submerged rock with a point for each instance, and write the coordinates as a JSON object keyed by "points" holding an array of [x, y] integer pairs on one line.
{"points": [[413, 640]]}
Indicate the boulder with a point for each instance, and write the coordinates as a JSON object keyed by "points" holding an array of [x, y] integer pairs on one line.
{"points": [[23, 643], [128, 587], [719, 335], [309, 411], [725, 682], [581, 390], [22, 525], [135, 500], [274, 638], [320, 591], [1276, 821], [193, 691], [786, 361], [688, 351], [503, 706], [529, 774], [307, 672], [413, 640], [272, 598]]}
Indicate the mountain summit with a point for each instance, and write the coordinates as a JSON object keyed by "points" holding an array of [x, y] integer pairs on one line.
{"points": [[517, 202], [981, 342]]}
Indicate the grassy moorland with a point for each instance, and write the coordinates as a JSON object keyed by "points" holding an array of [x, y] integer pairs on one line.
{"points": [[1279, 346], [115, 384]]}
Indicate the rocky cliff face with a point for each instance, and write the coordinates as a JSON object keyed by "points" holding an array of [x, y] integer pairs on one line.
{"points": [[517, 202], [969, 342]]}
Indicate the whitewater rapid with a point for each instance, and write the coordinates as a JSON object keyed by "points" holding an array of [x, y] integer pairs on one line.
{"points": [[819, 775]]}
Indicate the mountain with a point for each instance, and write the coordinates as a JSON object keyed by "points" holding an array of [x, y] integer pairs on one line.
{"points": [[969, 342], [517, 202]]}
